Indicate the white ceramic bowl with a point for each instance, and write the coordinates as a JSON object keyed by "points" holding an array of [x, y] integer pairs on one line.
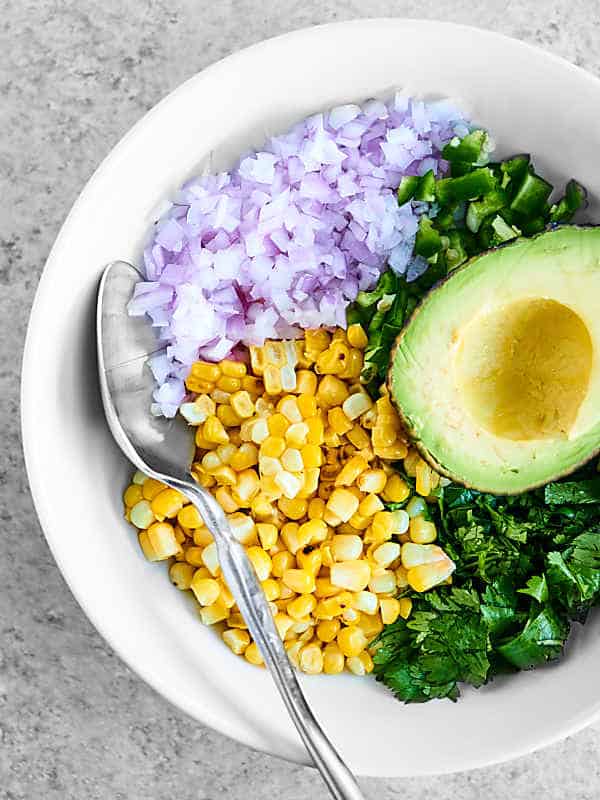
{"points": [[530, 101]]}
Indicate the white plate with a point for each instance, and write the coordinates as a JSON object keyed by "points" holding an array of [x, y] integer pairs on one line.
{"points": [[530, 101]]}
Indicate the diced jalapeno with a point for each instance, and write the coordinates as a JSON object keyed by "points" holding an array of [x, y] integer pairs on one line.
{"points": [[428, 241], [468, 187], [407, 188], [531, 196]]}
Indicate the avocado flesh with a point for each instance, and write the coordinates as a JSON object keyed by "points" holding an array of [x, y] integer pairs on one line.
{"points": [[497, 374]]}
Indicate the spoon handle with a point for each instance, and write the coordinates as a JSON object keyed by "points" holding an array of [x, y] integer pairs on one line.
{"points": [[245, 587]]}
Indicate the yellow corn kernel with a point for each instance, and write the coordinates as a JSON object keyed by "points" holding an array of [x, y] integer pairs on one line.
{"points": [[315, 342], [354, 365], [252, 385], [299, 581], [226, 500], [193, 556], [259, 430], [277, 425], [357, 336], [358, 437], [267, 534], [423, 479], [395, 452], [316, 508], [261, 507], [328, 629], [227, 384], [293, 509], [362, 664], [359, 522], [426, 576], [351, 641], [351, 575], [271, 589], [390, 609], [406, 605], [386, 553], [261, 561], [414, 555], [181, 575], [302, 606], [334, 359], [202, 537], [228, 417], [316, 431], [313, 532], [370, 506], [268, 466], [213, 431], [306, 384], [205, 371], [246, 487], [189, 517], [210, 615], [288, 406], [292, 460], [396, 489], [269, 490], [346, 547], [366, 602], [252, 655], [233, 369], [211, 559], [236, 640], [411, 460], [310, 483], [383, 525], [332, 392], [235, 620], [422, 531], [161, 536], [289, 484], [282, 562], [356, 405], [312, 456], [333, 659], [226, 599], [290, 536], [151, 487], [245, 456], [132, 495], [330, 518], [338, 421], [243, 528], [307, 405], [343, 504], [147, 549], [257, 359], [206, 590], [311, 562], [273, 447], [225, 476], [139, 478], [383, 581], [351, 471], [241, 404], [296, 434], [401, 579], [311, 659]]}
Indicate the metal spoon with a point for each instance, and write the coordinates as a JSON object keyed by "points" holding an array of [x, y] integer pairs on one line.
{"points": [[163, 449]]}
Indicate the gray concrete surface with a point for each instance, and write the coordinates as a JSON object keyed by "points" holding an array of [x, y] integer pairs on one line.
{"points": [[75, 723]]}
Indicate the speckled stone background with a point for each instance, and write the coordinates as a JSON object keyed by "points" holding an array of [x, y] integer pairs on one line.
{"points": [[75, 723]]}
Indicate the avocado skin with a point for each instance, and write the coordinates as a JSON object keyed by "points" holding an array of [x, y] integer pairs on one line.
{"points": [[405, 419]]}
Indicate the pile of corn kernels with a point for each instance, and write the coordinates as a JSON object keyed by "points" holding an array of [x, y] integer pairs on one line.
{"points": [[298, 455]]}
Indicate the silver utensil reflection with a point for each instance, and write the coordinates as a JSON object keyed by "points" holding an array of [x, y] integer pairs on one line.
{"points": [[163, 449]]}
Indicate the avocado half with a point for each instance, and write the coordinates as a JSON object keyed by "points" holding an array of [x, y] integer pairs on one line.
{"points": [[497, 373]]}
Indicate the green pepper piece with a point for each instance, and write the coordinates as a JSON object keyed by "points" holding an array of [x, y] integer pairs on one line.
{"points": [[480, 209], [468, 187], [428, 241], [471, 149], [503, 231], [458, 168], [456, 253], [425, 191], [407, 188], [531, 196], [514, 169], [574, 198], [531, 226], [385, 285]]}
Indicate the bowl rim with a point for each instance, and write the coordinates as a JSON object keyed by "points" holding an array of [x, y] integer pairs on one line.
{"points": [[27, 391]]}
